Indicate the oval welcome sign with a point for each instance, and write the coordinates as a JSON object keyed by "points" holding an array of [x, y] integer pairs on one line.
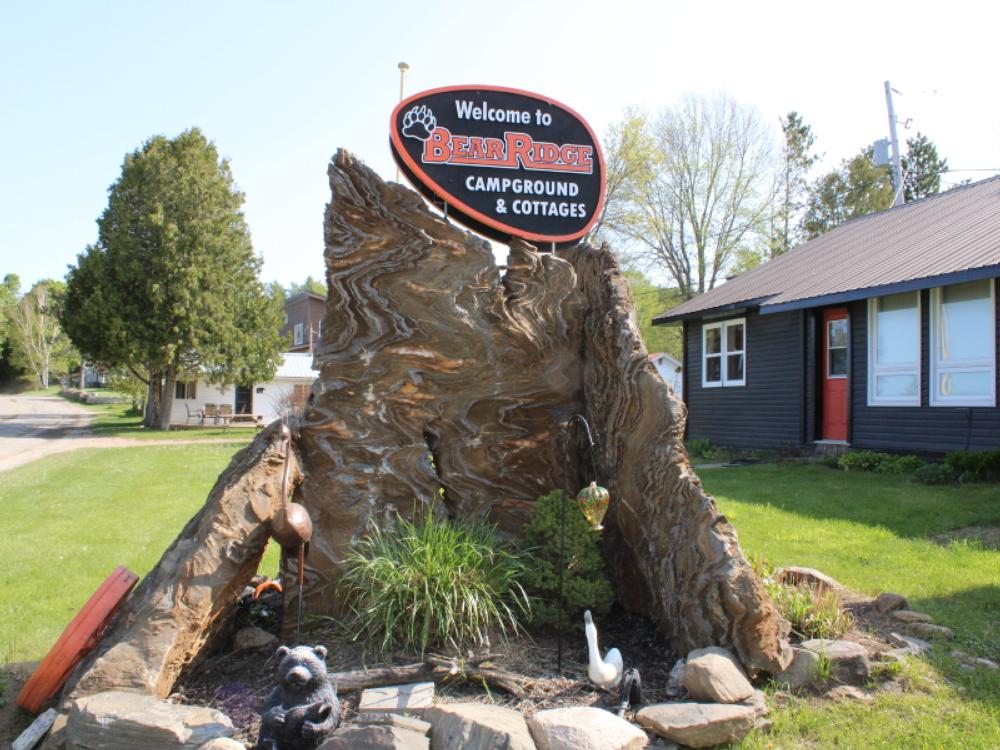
{"points": [[508, 162]]}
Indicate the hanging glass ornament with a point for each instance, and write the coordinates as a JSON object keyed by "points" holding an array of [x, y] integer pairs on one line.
{"points": [[593, 502]]}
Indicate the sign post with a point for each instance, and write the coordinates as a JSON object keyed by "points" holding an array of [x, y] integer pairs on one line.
{"points": [[507, 163]]}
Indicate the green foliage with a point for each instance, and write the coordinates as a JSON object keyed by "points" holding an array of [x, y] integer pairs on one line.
{"points": [[796, 161], [883, 463], [691, 189], [38, 344], [585, 583], [900, 465], [123, 381], [701, 447], [309, 285], [856, 188], [862, 460], [811, 613], [434, 583], [171, 287], [824, 668], [975, 466], [922, 168], [650, 301]]}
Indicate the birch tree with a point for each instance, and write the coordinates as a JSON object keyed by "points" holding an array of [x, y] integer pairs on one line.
{"points": [[696, 188]]}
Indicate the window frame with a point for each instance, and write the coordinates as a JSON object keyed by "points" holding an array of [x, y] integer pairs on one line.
{"points": [[724, 380], [298, 334], [909, 368], [185, 390], [937, 368]]}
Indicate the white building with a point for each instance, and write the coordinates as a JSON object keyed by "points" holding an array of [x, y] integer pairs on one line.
{"points": [[288, 390], [670, 370]]}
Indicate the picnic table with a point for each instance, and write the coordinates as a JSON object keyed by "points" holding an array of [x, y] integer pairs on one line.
{"points": [[257, 420]]}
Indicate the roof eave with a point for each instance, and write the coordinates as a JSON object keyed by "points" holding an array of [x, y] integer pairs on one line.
{"points": [[880, 290]]}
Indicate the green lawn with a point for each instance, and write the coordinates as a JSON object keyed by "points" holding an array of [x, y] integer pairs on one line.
{"points": [[872, 533], [114, 420], [68, 520]]}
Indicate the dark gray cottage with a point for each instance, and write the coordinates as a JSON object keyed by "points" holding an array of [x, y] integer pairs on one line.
{"points": [[880, 334]]}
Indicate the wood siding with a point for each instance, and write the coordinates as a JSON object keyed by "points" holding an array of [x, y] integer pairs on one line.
{"points": [[924, 429], [767, 412]]}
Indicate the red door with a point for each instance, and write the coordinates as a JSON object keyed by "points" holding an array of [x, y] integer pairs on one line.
{"points": [[836, 355]]}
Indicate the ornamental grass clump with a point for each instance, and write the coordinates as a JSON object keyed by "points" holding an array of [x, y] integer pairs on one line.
{"points": [[434, 583]]}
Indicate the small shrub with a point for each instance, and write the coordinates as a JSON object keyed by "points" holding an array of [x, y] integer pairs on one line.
{"points": [[935, 474], [585, 583], [434, 582], [812, 615], [863, 460], [701, 447], [900, 465], [975, 466], [824, 668]]}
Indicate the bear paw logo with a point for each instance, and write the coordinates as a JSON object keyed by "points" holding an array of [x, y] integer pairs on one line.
{"points": [[419, 123]]}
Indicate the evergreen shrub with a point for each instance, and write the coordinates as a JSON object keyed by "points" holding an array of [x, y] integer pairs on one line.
{"points": [[585, 582]]}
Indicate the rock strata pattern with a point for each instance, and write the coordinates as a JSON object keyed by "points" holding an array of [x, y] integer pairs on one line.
{"points": [[181, 602], [438, 372]]}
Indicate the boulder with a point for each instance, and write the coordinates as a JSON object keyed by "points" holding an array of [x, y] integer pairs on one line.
{"points": [[795, 576], [802, 672], [375, 738], [849, 659], [477, 726], [848, 692], [584, 728], [986, 664], [712, 674], [698, 724], [887, 601], [675, 681], [908, 644], [179, 605], [118, 720], [908, 615], [758, 702], [928, 630], [253, 637]]}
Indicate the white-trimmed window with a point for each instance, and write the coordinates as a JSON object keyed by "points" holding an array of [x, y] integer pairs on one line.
{"points": [[297, 334], [894, 350], [185, 389], [963, 345], [723, 357]]}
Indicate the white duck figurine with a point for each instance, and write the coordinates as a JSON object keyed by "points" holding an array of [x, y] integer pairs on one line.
{"points": [[606, 672]]}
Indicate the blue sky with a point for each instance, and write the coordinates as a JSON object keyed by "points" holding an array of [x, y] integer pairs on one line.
{"points": [[280, 86]]}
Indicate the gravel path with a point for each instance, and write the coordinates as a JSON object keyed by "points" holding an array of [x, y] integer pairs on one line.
{"points": [[32, 427]]}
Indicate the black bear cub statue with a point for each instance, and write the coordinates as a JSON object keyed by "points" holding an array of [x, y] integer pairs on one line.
{"points": [[303, 709]]}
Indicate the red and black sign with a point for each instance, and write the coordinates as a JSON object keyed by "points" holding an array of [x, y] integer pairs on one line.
{"points": [[508, 162]]}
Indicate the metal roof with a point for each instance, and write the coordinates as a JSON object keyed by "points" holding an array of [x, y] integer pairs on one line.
{"points": [[296, 366], [945, 238]]}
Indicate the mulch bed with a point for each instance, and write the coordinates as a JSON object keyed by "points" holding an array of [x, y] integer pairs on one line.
{"points": [[238, 683]]}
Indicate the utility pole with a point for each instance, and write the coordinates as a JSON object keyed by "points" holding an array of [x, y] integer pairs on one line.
{"points": [[896, 168], [403, 67]]}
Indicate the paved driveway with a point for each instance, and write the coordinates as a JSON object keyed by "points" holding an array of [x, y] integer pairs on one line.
{"points": [[36, 426]]}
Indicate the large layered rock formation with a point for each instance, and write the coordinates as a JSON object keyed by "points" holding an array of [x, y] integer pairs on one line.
{"points": [[448, 385], [438, 371]]}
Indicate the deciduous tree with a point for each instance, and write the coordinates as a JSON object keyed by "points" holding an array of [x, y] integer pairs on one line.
{"points": [[38, 344], [696, 186], [172, 288]]}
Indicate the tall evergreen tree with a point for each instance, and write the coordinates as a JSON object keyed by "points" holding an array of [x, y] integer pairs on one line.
{"points": [[797, 160], [922, 168], [172, 288]]}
